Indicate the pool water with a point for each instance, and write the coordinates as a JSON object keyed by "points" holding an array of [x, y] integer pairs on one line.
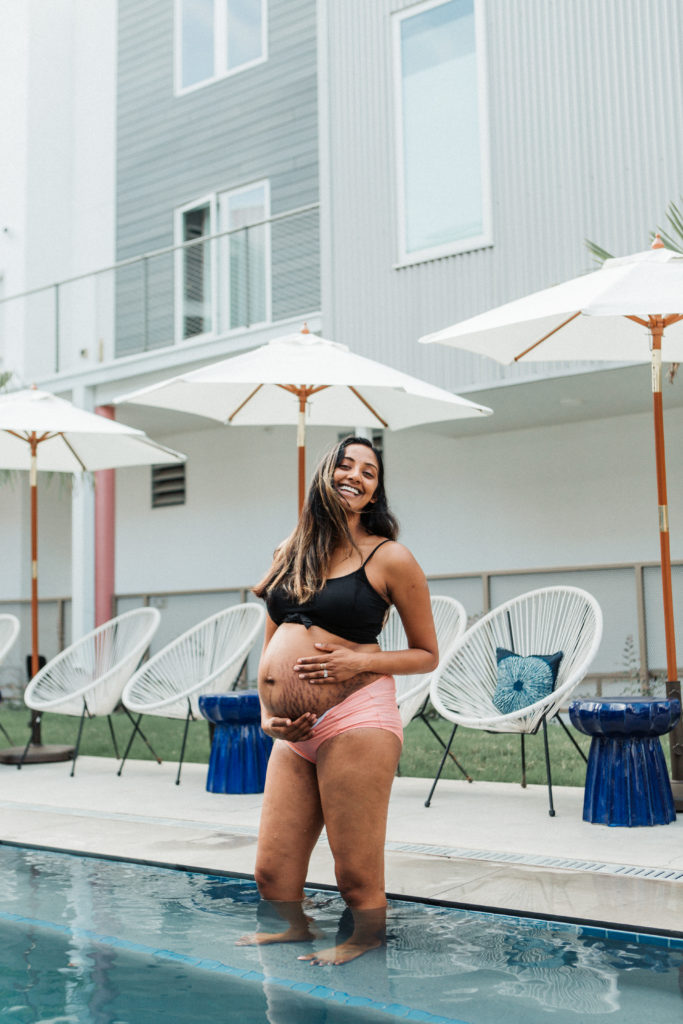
{"points": [[91, 941]]}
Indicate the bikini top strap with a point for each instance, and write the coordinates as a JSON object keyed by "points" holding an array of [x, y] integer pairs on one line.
{"points": [[373, 551]]}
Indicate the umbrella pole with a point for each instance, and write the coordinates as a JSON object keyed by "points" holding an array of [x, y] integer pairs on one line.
{"points": [[673, 688], [35, 721], [301, 448]]}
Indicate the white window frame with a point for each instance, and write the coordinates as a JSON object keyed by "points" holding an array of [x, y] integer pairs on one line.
{"points": [[224, 242], [218, 248], [220, 47], [179, 269], [476, 241]]}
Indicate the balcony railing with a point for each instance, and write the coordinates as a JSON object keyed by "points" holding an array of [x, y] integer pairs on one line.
{"points": [[208, 287]]}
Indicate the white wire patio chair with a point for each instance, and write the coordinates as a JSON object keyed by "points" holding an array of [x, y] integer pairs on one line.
{"points": [[412, 692], [206, 659], [87, 678], [9, 631], [540, 622]]}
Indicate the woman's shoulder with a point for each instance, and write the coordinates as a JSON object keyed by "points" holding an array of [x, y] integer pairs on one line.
{"points": [[392, 553]]}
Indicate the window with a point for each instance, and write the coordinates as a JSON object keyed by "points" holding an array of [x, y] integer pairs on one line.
{"points": [[195, 265], [215, 38], [443, 171], [223, 266], [245, 256]]}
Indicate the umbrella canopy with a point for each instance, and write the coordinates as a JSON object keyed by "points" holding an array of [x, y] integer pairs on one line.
{"points": [[598, 316], [619, 313], [69, 439], [39, 431], [306, 380]]}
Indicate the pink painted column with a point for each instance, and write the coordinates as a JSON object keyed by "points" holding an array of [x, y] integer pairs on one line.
{"points": [[105, 525]]}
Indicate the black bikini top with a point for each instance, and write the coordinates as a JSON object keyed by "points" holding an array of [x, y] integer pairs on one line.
{"points": [[347, 606]]}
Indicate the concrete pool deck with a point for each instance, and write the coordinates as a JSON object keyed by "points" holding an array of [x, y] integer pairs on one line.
{"points": [[484, 844]]}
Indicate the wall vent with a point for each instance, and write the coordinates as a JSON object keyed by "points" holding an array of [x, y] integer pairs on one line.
{"points": [[168, 485]]}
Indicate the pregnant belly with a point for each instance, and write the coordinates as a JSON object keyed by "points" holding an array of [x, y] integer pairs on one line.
{"points": [[282, 692]]}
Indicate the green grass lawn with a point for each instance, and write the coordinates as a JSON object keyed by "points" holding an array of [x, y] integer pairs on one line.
{"points": [[165, 734], [487, 757]]}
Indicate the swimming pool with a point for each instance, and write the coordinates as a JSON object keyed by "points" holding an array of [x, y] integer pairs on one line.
{"points": [[93, 941]]}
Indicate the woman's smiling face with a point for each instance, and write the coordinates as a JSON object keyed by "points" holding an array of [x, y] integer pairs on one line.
{"points": [[356, 476]]}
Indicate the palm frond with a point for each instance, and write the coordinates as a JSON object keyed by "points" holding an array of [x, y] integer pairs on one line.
{"points": [[597, 252], [675, 218]]}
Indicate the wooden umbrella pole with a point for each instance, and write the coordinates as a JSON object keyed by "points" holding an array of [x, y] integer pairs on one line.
{"points": [[657, 329], [34, 553], [35, 723], [673, 688], [301, 447]]}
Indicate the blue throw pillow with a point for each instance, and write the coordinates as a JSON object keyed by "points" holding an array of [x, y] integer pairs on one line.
{"points": [[523, 681]]}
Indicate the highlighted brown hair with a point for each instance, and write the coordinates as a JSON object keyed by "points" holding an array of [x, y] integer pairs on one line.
{"points": [[301, 563]]}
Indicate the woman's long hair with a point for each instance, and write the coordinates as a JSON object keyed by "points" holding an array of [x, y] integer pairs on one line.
{"points": [[301, 563]]}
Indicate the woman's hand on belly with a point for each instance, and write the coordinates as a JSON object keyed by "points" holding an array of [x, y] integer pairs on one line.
{"points": [[336, 663], [284, 693], [286, 729]]}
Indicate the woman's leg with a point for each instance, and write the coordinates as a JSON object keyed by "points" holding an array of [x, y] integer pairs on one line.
{"points": [[291, 822], [355, 773]]}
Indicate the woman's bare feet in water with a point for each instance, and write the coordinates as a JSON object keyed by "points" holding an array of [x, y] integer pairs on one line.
{"points": [[369, 932], [300, 927]]}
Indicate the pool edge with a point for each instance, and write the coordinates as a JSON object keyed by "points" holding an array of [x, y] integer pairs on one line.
{"points": [[589, 926]]}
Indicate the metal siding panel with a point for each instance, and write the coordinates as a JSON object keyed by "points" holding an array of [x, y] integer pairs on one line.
{"points": [[256, 124], [585, 107], [169, 148]]}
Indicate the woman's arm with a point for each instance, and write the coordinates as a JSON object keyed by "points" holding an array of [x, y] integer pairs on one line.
{"points": [[406, 586], [280, 728]]}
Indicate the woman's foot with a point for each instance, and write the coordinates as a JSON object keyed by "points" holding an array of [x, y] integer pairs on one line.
{"points": [[299, 926], [299, 933], [343, 953], [368, 932]]}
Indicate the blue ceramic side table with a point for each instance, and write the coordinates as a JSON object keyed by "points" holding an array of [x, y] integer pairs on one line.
{"points": [[627, 782], [240, 749]]}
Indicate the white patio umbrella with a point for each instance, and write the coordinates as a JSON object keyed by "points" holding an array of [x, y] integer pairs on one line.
{"points": [[305, 380], [616, 314], [39, 431]]}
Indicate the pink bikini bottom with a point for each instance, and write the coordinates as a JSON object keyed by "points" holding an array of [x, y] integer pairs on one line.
{"points": [[372, 707]]}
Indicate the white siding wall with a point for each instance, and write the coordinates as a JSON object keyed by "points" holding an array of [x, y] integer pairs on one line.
{"points": [[13, 86], [585, 107], [57, 158]]}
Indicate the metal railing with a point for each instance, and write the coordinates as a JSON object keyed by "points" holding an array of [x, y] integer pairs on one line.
{"points": [[207, 287]]}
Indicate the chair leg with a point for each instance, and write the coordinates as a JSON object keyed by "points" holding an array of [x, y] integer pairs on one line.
{"points": [[4, 731], [84, 712], [551, 810], [571, 737], [523, 762], [36, 723], [452, 756], [443, 761], [113, 737], [182, 749], [136, 729]]}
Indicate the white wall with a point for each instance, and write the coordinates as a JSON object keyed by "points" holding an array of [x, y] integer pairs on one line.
{"points": [[558, 495], [57, 155], [241, 502], [553, 496], [54, 537], [565, 495], [13, 75]]}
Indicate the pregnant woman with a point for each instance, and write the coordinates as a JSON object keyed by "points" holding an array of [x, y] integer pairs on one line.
{"points": [[328, 694]]}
